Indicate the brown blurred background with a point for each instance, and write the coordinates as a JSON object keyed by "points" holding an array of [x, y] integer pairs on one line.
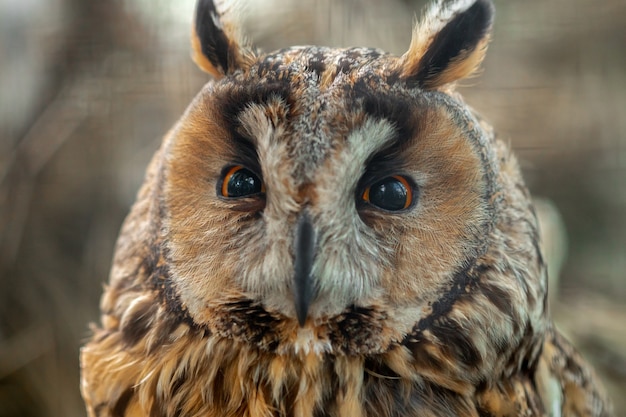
{"points": [[88, 88]]}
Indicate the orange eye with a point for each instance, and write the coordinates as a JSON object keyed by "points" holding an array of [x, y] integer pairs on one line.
{"points": [[239, 181], [393, 193]]}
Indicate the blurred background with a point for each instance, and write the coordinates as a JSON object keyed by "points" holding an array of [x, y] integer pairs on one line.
{"points": [[88, 88]]}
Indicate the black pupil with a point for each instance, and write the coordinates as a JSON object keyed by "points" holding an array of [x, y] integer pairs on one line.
{"points": [[243, 183], [388, 194]]}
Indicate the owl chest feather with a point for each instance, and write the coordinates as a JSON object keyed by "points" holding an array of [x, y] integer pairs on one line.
{"points": [[196, 374]]}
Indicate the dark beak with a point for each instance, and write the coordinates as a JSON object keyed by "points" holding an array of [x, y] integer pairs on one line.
{"points": [[304, 248]]}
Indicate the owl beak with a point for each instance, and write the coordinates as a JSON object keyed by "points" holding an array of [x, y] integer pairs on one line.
{"points": [[304, 248]]}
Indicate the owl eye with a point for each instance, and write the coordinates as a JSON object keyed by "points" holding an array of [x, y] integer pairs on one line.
{"points": [[393, 193], [239, 181]]}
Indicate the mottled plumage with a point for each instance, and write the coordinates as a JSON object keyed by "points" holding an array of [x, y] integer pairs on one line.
{"points": [[333, 232]]}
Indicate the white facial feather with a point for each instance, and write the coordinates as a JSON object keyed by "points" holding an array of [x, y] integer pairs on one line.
{"points": [[350, 254]]}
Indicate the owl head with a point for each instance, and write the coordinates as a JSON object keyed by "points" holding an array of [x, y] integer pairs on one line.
{"points": [[323, 189]]}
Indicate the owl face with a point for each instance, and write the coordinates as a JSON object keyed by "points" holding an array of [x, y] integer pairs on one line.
{"points": [[312, 181]]}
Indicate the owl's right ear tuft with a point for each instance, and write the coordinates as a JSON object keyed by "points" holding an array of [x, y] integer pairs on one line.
{"points": [[448, 43], [218, 47]]}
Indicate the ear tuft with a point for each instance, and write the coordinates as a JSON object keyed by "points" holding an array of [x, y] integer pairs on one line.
{"points": [[449, 43], [217, 45]]}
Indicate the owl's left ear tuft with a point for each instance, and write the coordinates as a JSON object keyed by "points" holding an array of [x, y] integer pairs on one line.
{"points": [[218, 47], [448, 43]]}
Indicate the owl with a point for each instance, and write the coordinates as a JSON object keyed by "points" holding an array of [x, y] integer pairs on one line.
{"points": [[333, 232]]}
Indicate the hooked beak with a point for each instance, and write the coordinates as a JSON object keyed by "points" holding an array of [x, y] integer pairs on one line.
{"points": [[304, 247]]}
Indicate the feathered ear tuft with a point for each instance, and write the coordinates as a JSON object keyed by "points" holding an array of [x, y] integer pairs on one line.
{"points": [[449, 42], [218, 48]]}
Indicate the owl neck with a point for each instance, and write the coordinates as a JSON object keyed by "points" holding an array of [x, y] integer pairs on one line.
{"points": [[213, 375]]}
